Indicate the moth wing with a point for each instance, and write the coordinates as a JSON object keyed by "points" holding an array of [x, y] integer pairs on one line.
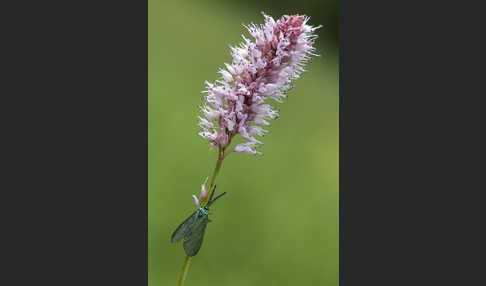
{"points": [[184, 228], [193, 242]]}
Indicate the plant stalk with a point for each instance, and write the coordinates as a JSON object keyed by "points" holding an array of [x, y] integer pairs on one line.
{"points": [[185, 267], [221, 156], [215, 174]]}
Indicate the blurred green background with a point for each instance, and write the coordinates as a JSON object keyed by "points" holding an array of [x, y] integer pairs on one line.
{"points": [[278, 224]]}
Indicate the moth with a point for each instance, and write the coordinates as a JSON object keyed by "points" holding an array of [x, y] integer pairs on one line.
{"points": [[192, 229]]}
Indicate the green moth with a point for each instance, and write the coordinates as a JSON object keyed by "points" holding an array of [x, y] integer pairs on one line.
{"points": [[193, 228]]}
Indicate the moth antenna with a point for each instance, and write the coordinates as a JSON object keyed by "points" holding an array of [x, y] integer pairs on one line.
{"points": [[219, 196], [212, 194]]}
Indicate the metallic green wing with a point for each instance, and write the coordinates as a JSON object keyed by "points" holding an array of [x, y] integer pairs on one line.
{"points": [[194, 239], [184, 228]]}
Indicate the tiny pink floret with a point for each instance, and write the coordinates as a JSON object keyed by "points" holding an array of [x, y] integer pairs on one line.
{"points": [[204, 194], [196, 201]]}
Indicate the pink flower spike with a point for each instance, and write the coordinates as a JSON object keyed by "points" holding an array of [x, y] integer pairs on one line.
{"points": [[196, 201], [262, 68]]}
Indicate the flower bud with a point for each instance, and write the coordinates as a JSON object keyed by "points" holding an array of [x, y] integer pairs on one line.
{"points": [[204, 194], [196, 201]]}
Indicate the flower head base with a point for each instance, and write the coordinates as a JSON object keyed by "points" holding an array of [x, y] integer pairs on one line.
{"points": [[261, 69]]}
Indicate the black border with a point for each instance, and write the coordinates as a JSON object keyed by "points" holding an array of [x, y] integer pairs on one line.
{"points": [[409, 143], [77, 143]]}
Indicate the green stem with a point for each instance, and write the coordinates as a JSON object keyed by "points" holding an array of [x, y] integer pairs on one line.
{"points": [[185, 267], [221, 156], [215, 174]]}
